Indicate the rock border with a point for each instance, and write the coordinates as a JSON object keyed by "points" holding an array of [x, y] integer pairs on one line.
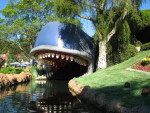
{"points": [[130, 69], [9, 79], [89, 96]]}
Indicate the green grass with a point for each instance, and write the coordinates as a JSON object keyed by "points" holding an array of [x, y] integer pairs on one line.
{"points": [[110, 81]]}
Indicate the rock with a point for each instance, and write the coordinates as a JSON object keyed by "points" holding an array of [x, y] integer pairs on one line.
{"points": [[72, 83], [145, 92], [140, 109], [113, 106], [127, 85], [124, 110], [100, 100], [88, 94]]}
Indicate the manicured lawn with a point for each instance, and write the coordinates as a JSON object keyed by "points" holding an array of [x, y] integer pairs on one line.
{"points": [[110, 81]]}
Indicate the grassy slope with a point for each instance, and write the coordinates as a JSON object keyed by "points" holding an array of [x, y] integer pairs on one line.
{"points": [[110, 81]]}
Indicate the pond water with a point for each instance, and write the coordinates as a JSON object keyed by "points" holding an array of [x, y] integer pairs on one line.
{"points": [[42, 97]]}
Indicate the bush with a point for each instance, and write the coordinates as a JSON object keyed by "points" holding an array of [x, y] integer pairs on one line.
{"points": [[129, 52], [145, 46], [12, 70], [33, 71], [41, 71], [119, 56], [19, 70]]}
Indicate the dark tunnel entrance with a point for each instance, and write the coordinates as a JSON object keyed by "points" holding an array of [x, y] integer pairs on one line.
{"points": [[68, 71], [144, 35]]}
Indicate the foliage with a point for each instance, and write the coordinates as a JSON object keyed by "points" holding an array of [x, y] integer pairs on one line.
{"points": [[23, 26], [33, 71], [11, 70], [145, 46], [110, 81], [1, 61], [138, 44], [41, 71], [119, 48], [106, 16], [24, 19], [121, 55], [19, 70], [145, 14], [11, 58]]}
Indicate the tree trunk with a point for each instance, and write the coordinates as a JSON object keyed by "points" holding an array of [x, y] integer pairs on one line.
{"points": [[102, 63]]}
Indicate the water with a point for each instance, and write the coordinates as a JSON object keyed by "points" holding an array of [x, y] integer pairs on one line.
{"points": [[42, 97]]}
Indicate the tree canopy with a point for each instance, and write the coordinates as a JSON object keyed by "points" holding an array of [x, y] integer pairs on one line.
{"points": [[24, 19]]}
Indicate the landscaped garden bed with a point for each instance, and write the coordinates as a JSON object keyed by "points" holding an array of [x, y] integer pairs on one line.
{"points": [[19, 76], [143, 65]]}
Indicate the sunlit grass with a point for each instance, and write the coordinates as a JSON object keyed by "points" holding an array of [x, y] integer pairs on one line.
{"points": [[110, 81]]}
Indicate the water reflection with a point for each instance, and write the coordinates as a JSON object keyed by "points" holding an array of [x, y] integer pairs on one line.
{"points": [[41, 97]]}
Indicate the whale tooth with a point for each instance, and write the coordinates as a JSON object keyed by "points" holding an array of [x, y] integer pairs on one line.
{"points": [[49, 55], [71, 58], [57, 56], [40, 56], [43, 56], [85, 64], [53, 55], [62, 57], [67, 57], [46, 55], [75, 59]]}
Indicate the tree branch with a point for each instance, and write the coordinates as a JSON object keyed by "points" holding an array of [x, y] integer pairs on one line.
{"points": [[113, 31], [111, 7], [97, 3], [24, 52], [88, 18]]}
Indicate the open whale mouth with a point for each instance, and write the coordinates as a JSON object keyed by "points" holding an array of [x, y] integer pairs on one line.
{"points": [[66, 50], [63, 65]]}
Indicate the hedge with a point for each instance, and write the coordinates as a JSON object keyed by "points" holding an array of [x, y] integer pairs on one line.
{"points": [[145, 46], [12, 70], [119, 56]]}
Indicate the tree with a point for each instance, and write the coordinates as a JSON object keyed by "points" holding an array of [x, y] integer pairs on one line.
{"points": [[11, 58], [25, 18], [145, 14], [104, 14]]}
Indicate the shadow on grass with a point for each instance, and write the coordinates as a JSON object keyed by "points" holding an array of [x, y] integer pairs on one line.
{"points": [[129, 97]]}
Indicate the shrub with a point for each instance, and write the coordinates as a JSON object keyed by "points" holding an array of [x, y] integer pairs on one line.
{"points": [[145, 46], [8, 70], [12, 70], [19, 70], [33, 71], [41, 71], [121, 55]]}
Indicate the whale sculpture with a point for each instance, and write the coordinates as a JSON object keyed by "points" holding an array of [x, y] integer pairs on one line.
{"points": [[63, 46]]}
